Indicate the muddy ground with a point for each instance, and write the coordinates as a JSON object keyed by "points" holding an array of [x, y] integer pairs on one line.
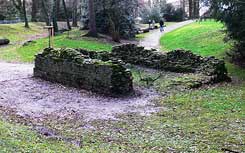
{"points": [[34, 98]]}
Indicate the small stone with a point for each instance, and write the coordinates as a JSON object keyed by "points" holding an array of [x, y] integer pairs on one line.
{"points": [[4, 41]]}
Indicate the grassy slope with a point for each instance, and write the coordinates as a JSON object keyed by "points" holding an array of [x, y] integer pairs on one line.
{"points": [[27, 53], [18, 34], [205, 38]]}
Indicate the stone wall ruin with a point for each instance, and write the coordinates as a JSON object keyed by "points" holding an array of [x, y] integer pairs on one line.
{"points": [[104, 72], [70, 67], [180, 61]]}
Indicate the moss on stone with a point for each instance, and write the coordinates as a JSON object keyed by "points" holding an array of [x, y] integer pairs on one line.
{"points": [[83, 70], [180, 61]]}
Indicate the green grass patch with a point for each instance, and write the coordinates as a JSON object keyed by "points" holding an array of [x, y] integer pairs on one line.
{"points": [[204, 38], [142, 35], [205, 120], [213, 118], [17, 138], [27, 53], [18, 34]]}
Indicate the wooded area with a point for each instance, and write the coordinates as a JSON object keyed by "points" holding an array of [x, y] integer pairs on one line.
{"points": [[117, 18]]}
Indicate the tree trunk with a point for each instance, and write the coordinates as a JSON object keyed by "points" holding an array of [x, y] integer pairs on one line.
{"points": [[46, 14], [183, 6], [149, 3], [67, 17], [74, 13], [25, 15], [190, 9], [92, 22], [58, 7], [55, 24], [21, 7], [34, 10], [196, 8]]}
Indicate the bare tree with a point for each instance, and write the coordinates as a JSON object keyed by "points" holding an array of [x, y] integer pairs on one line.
{"points": [[74, 13], [194, 8], [24, 13], [54, 16], [58, 6], [34, 10], [92, 22], [21, 7], [191, 9], [66, 14], [47, 14]]}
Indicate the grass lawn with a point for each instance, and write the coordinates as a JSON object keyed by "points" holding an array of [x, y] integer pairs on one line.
{"points": [[26, 53], [18, 35], [206, 120], [18, 138], [17, 32], [142, 36], [205, 38]]}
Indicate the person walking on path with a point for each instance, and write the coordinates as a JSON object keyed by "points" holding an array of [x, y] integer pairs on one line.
{"points": [[161, 25], [153, 24], [153, 39], [149, 22]]}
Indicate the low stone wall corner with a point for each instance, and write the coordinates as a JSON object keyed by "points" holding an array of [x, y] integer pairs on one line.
{"points": [[71, 67], [179, 60]]}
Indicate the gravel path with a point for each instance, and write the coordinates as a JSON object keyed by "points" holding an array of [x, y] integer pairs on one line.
{"points": [[35, 98], [153, 39]]}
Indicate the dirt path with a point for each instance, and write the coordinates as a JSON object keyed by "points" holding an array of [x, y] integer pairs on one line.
{"points": [[26, 39], [153, 39], [34, 98]]}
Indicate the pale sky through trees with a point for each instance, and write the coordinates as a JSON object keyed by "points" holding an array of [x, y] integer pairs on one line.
{"points": [[202, 10]]}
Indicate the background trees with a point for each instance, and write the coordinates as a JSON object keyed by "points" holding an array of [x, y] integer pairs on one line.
{"points": [[170, 13], [34, 10], [7, 11], [150, 13], [194, 8], [41, 11], [112, 16], [158, 9], [92, 21], [20, 5], [66, 15], [232, 13], [75, 8]]}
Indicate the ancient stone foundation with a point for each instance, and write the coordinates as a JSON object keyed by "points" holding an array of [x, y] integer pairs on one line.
{"points": [[70, 67], [179, 61], [104, 72]]}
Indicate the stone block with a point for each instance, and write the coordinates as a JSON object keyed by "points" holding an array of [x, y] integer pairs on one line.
{"points": [[62, 66], [4, 41]]}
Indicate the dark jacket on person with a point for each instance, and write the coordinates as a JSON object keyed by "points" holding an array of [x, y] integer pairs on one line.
{"points": [[161, 23]]}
